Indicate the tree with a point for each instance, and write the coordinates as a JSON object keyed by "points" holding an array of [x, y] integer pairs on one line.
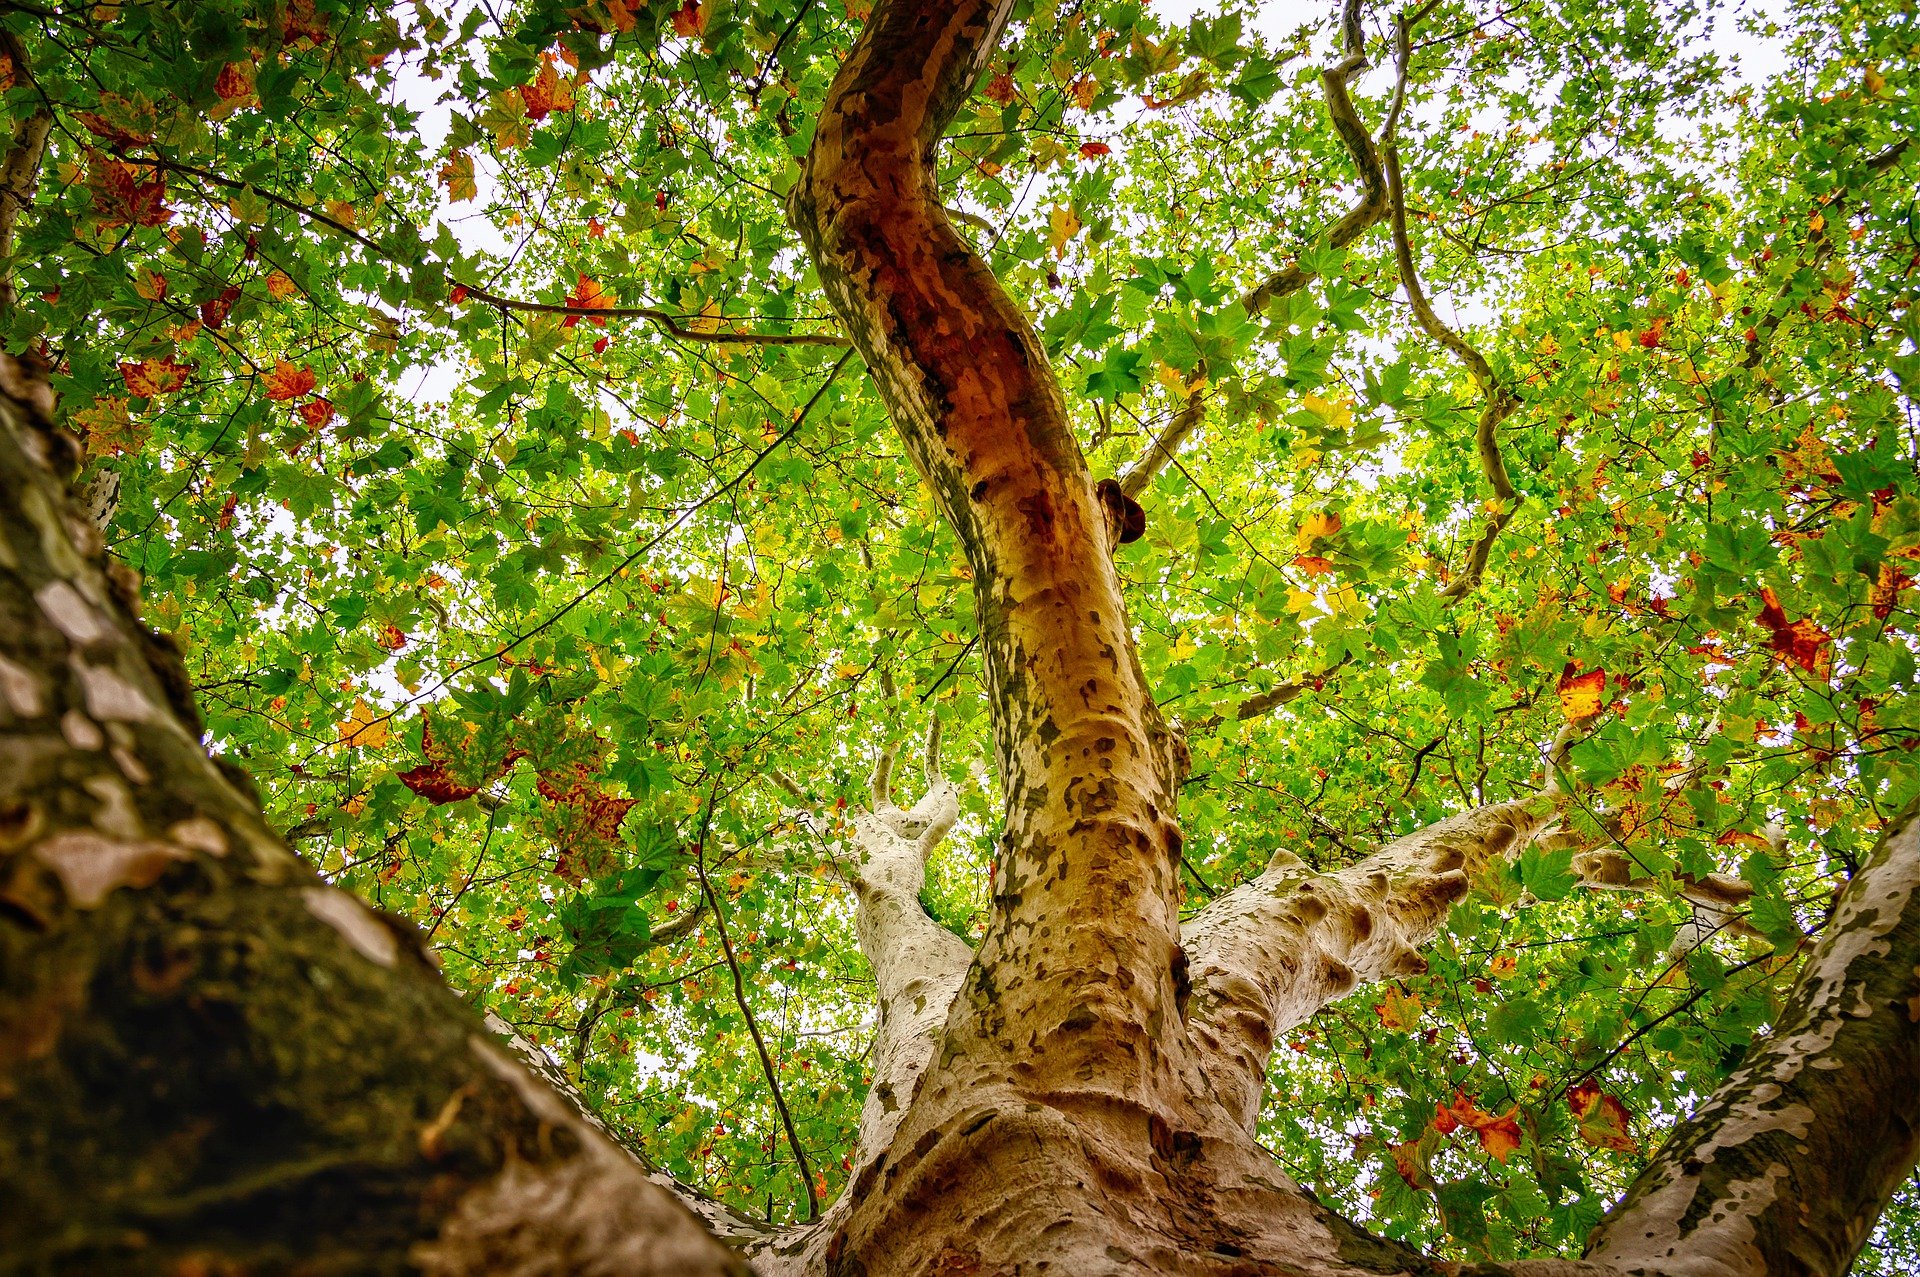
{"points": [[592, 667]]}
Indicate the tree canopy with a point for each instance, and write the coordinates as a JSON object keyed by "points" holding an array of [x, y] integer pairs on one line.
{"points": [[538, 543]]}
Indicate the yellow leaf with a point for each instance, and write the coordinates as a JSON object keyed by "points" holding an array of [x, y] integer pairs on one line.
{"points": [[361, 730], [1337, 413], [1064, 224], [1316, 527], [1399, 1011], [280, 286]]}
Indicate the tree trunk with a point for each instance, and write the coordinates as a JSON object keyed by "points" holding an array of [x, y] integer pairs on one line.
{"points": [[210, 1060]]}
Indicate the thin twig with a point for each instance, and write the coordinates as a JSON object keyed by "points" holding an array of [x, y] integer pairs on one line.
{"points": [[740, 997]]}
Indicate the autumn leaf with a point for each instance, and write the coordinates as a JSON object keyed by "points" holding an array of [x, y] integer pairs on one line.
{"points": [[316, 412], [1499, 1136], [361, 728], [280, 286], [547, 92], [1000, 89], [1399, 1010], [1094, 150], [150, 285], [1581, 695], [1885, 594], [235, 82], [1800, 642], [1604, 1121], [690, 19], [111, 132], [1317, 527], [120, 198], [392, 637], [588, 295], [214, 311], [1313, 564], [151, 377], [109, 429], [1062, 225], [285, 381]]}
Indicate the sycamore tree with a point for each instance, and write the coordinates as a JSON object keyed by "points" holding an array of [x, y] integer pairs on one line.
{"points": [[1005, 637]]}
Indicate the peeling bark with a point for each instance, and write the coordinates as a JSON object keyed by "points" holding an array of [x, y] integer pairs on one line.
{"points": [[1273, 951], [209, 1058]]}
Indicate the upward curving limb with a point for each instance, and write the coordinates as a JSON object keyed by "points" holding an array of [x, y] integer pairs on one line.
{"points": [[1336, 82], [1085, 879], [1497, 399], [918, 964], [1270, 953]]}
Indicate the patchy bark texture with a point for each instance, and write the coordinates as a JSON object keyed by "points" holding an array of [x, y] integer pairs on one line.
{"points": [[1270, 953], [210, 1059]]}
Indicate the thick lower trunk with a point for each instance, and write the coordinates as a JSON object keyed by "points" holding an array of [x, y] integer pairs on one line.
{"points": [[210, 1060]]}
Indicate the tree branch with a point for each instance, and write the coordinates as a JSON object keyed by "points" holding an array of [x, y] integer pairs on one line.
{"points": [[1787, 1166], [746, 1010], [1270, 953], [1498, 402]]}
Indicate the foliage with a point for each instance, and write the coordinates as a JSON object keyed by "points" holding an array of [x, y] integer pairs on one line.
{"points": [[515, 614]]}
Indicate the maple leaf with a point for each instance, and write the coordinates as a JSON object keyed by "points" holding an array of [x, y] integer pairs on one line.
{"points": [[280, 286], [1313, 564], [109, 428], [547, 92], [1062, 225], [214, 311], [1885, 594], [1499, 1136], [1603, 1119], [1094, 150], [152, 377], [392, 637], [150, 285], [120, 198], [458, 294], [588, 295], [1316, 528], [288, 382], [235, 82], [457, 176], [1399, 1010], [316, 412], [1581, 695], [1800, 642], [690, 19], [1000, 89], [108, 131], [361, 729]]}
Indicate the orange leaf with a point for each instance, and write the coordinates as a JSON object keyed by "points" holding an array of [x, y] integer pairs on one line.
{"points": [[120, 198], [1581, 695], [588, 295], [1604, 1120], [288, 382], [316, 412], [1094, 150], [152, 377], [1800, 642], [392, 637], [1499, 1136], [1399, 1011], [690, 19], [280, 286], [1313, 564]]}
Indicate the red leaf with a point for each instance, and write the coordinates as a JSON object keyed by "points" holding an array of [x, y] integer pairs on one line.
{"points": [[1094, 150], [316, 412], [588, 295], [1604, 1120], [458, 295], [234, 82], [152, 377], [214, 311], [431, 782]]}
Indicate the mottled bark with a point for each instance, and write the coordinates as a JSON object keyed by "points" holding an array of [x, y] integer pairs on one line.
{"points": [[1273, 951], [209, 1058]]}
